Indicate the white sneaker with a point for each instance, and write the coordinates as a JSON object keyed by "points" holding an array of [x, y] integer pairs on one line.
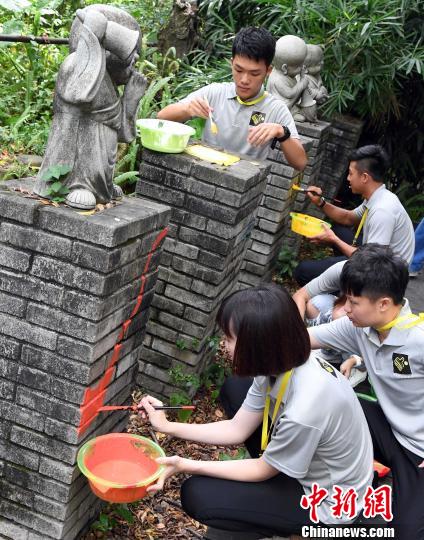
{"points": [[356, 376]]}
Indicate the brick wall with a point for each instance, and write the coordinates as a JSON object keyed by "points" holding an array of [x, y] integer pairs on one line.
{"points": [[68, 282], [213, 211]]}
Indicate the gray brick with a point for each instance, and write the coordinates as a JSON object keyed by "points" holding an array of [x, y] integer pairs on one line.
{"points": [[12, 305], [12, 530], [176, 278], [47, 405], [49, 508], [154, 357], [7, 389], [153, 371], [30, 287], [159, 193], [19, 415], [56, 365], [13, 258], [57, 470], [200, 189], [16, 207], [211, 210], [8, 369], [110, 228], [205, 241], [179, 162], [162, 303], [34, 378], [150, 385], [20, 495], [9, 348], [196, 316], [189, 298], [45, 445], [181, 325], [185, 356], [269, 226], [61, 431], [49, 527], [186, 250], [20, 456], [188, 219], [35, 240], [212, 260], [157, 330], [62, 322]]}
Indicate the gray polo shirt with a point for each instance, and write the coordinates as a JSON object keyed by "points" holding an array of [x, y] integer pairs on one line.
{"points": [[234, 119], [388, 223], [320, 434], [395, 368], [327, 282]]}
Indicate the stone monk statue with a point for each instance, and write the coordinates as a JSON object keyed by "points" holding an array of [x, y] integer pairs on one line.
{"points": [[315, 93], [287, 80], [90, 115]]}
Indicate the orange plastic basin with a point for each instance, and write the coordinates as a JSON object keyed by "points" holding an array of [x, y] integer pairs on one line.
{"points": [[120, 466], [307, 225]]}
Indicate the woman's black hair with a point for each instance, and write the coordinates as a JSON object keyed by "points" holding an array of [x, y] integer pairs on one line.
{"points": [[374, 271], [271, 335], [255, 43], [372, 159]]}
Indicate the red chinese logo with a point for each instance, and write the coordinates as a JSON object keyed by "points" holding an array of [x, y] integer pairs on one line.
{"points": [[313, 500], [345, 503], [378, 501]]}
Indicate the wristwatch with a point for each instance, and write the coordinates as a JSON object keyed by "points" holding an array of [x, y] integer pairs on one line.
{"points": [[322, 202], [286, 135]]}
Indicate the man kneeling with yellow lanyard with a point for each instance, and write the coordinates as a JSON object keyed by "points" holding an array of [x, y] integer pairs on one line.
{"points": [[381, 329]]}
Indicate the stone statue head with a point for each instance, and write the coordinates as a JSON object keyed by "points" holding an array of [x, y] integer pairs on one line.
{"points": [[314, 59], [290, 54], [121, 40]]}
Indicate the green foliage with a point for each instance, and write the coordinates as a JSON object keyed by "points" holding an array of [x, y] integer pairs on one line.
{"points": [[56, 191], [126, 173], [188, 383], [286, 262], [108, 520], [373, 68], [412, 202]]}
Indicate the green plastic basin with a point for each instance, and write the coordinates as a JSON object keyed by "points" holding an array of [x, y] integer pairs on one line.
{"points": [[164, 135]]}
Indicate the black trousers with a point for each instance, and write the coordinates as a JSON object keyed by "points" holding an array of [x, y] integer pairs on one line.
{"points": [[307, 270], [408, 479], [271, 507]]}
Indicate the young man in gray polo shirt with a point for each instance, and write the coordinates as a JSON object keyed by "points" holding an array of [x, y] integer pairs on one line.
{"points": [[386, 221], [249, 120], [380, 328]]}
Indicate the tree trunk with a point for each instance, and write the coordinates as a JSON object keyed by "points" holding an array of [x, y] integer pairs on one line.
{"points": [[181, 30]]}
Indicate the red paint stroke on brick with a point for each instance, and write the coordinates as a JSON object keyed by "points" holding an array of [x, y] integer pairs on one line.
{"points": [[94, 397]]}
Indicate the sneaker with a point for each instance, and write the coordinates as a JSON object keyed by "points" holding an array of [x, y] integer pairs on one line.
{"points": [[413, 273], [356, 376]]}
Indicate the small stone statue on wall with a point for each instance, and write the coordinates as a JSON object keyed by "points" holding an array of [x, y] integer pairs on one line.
{"points": [[90, 115], [315, 93], [290, 54]]}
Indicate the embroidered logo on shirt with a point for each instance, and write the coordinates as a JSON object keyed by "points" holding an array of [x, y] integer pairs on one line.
{"points": [[401, 364], [257, 118], [328, 367]]}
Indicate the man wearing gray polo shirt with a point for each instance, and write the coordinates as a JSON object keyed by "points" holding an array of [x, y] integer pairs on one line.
{"points": [[380, 328], [381, 216], [249, 120]]}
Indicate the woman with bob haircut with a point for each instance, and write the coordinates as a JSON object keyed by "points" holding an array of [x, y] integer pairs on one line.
{"points": [[313, 428]]}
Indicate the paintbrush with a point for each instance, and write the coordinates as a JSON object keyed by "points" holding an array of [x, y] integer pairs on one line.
{"points": [[214, 127], [136, 408], [304, 190]]}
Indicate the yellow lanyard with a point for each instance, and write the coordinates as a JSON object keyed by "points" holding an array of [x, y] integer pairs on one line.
{"points": [[359, 229], [265, 433], [404, 322], [253, 102]]}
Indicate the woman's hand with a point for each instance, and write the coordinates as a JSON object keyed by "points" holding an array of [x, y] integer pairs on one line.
{"points": [[157, 418], [173, 465]]}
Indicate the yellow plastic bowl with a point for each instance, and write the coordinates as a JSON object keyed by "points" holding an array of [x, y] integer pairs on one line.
{"points": [[164, 135], [307, 225]]}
